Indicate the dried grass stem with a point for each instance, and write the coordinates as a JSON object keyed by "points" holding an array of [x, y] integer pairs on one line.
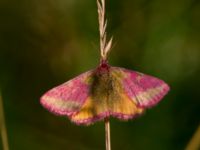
{"points": [[105, 45], [3, 126], [107, 134]]}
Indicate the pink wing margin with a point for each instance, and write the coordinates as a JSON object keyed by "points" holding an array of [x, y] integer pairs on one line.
{"points": [[67, 98], [145, 90]]}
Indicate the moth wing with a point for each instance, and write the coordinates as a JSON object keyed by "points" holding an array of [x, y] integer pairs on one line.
{"points": [[67, 98], [145, 90]]}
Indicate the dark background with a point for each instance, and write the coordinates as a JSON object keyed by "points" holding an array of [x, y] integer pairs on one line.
{"points": [[44, 43]]}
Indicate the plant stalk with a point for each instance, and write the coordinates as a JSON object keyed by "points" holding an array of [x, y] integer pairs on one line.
{"points": [[194, 143], [107, 134], [3, 126]]}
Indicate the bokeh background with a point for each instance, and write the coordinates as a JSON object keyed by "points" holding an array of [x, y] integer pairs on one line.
{"points": [[45, 43]]}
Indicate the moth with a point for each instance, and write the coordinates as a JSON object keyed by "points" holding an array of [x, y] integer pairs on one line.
{"points": [[103, 92]]}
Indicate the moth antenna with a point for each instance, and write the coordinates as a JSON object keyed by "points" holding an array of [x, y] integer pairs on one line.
{"points": [[105, 46]]}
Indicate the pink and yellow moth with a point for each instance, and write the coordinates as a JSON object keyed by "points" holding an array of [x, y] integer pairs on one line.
{"points": [[104, 92]]}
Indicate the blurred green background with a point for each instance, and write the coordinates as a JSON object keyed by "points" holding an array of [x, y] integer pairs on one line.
{"points": [[45, 43]]}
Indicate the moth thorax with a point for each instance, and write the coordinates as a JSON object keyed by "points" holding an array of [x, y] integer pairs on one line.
{"points": [[102, 83]]}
